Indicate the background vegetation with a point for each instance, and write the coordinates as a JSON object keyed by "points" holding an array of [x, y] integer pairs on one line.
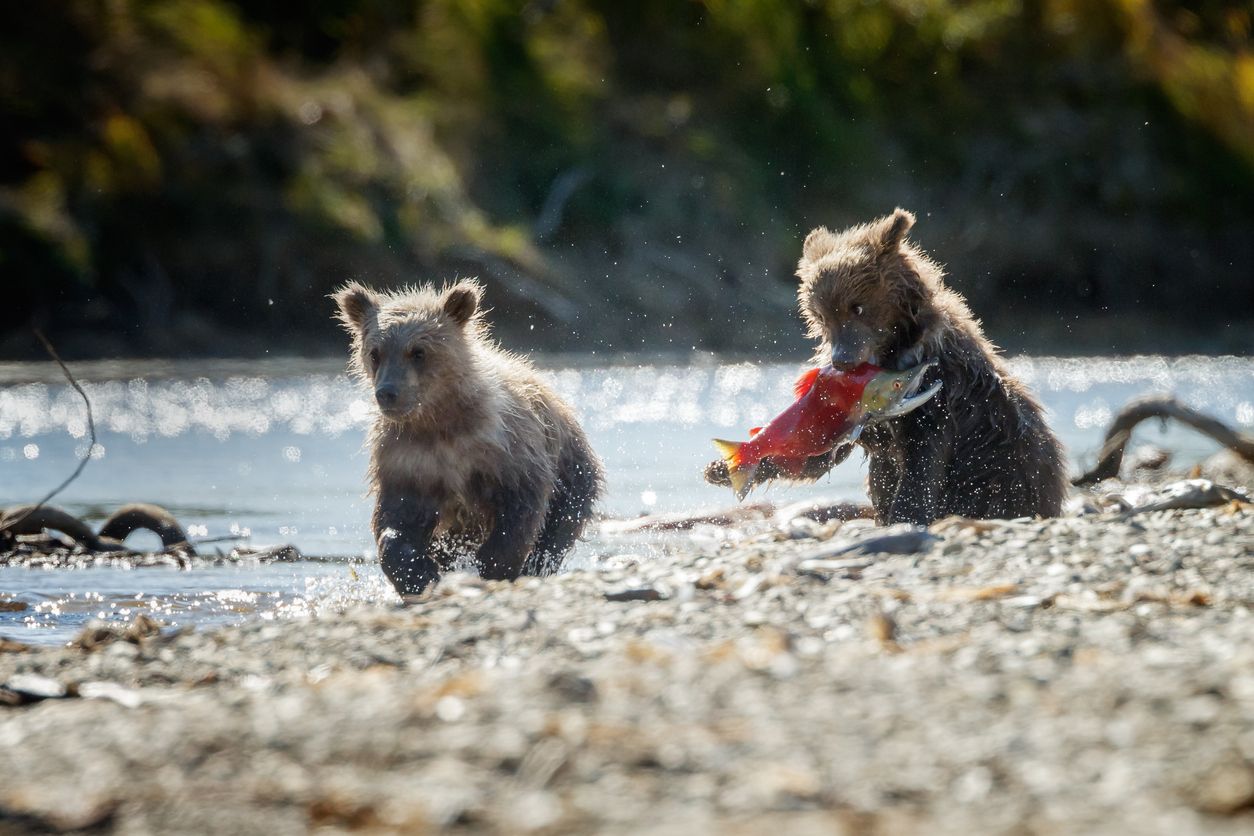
{"points": [[193, 176]]}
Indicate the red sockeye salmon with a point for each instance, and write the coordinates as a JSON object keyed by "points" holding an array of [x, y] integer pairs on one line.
{"points": [[831, 407]]}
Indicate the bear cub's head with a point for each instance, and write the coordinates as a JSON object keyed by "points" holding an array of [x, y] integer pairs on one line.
{"points": [[413, 345], [866, 293]]}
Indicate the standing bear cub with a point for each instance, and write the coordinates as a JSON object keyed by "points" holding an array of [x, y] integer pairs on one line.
{"points": [[471, 451], [981, 448]]}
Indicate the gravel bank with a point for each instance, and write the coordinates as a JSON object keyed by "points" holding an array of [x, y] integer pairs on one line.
{"points": [[1091, 674]]}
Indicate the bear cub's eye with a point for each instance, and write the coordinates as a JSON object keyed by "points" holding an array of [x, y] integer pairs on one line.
{"points": [[417, 354], [374, 358], [857, 310]]}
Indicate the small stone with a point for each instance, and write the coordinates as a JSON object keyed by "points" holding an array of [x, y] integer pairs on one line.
{"points": [[801, 528], [573, 687], [30, 687], [644, 593], [143, 627], [1026, 602], [883, 629], [450, 709], [1227, 789], [831, 567], [123, 696], [712, 579]]}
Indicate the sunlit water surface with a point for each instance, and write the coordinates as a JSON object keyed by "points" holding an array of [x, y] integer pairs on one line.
{"points": [[278, 457]]}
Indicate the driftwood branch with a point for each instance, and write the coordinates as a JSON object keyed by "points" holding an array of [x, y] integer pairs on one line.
{"points": [[34, 519], [1110, 457], [143, 517], [10, 524]]}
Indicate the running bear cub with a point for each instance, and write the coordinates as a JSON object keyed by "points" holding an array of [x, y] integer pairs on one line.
{"points": [[471, 451], [981, 447]]}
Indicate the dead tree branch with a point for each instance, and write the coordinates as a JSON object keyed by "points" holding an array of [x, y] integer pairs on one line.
{"points": [[1110, 457], [33, 519], [11, 524]]}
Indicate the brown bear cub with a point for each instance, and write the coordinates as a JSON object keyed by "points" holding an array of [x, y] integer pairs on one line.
{"points": [[981, 447], [470, 451]]}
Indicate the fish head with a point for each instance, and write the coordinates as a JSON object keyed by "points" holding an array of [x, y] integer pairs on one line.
{"points": [[891, 394]]}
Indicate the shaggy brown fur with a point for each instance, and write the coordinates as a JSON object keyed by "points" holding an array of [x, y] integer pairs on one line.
{"points": [[981, 447], [470, 450]]}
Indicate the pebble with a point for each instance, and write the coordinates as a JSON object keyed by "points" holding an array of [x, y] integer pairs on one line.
{"points": [[29, 687]]}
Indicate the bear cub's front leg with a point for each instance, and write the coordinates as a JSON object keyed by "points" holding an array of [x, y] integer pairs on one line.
{"points": [[403, 531], [516, 522]]}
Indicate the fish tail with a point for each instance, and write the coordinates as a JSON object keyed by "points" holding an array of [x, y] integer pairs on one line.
{"points": [[730, 450], [741, 477]]}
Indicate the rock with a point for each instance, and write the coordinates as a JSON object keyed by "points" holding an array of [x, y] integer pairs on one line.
{"points": [[1189, 493], [126, 697], [643, 593], [1147, 457], [904, 539], [950, 524], [824, 510], [573, 687], [825, 568], [24, 688], [1227, 789], [143, 627], [979, 593], [883, 629], [1226, 467], [801, 528]]}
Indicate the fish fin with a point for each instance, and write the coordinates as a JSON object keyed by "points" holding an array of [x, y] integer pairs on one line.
{"points": [[754, 431], [739, 477], [805, 383], [742, 480]]}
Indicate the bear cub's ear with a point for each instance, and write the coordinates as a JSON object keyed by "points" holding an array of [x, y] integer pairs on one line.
{"points": [[818, 243], [461, 301], [357, 304], [893, 229]]}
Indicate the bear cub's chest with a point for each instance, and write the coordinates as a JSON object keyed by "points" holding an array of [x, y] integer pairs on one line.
{"points": [[447, 470]]}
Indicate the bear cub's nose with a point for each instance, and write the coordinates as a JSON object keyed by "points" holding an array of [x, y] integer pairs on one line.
{"points": [[386, 396]]}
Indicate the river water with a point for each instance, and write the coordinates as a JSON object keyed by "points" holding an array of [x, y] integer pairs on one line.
{"points": [[272, 451]]}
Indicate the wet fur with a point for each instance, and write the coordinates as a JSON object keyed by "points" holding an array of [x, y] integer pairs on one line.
{"points": [[483, 455], [981, 448]]}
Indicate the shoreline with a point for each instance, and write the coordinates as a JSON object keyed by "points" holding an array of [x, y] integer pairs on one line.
{"points": [[1081, 674], [37, 370]]}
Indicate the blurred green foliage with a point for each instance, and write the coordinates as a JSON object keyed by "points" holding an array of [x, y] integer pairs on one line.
{"points": [[195, 175]]}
